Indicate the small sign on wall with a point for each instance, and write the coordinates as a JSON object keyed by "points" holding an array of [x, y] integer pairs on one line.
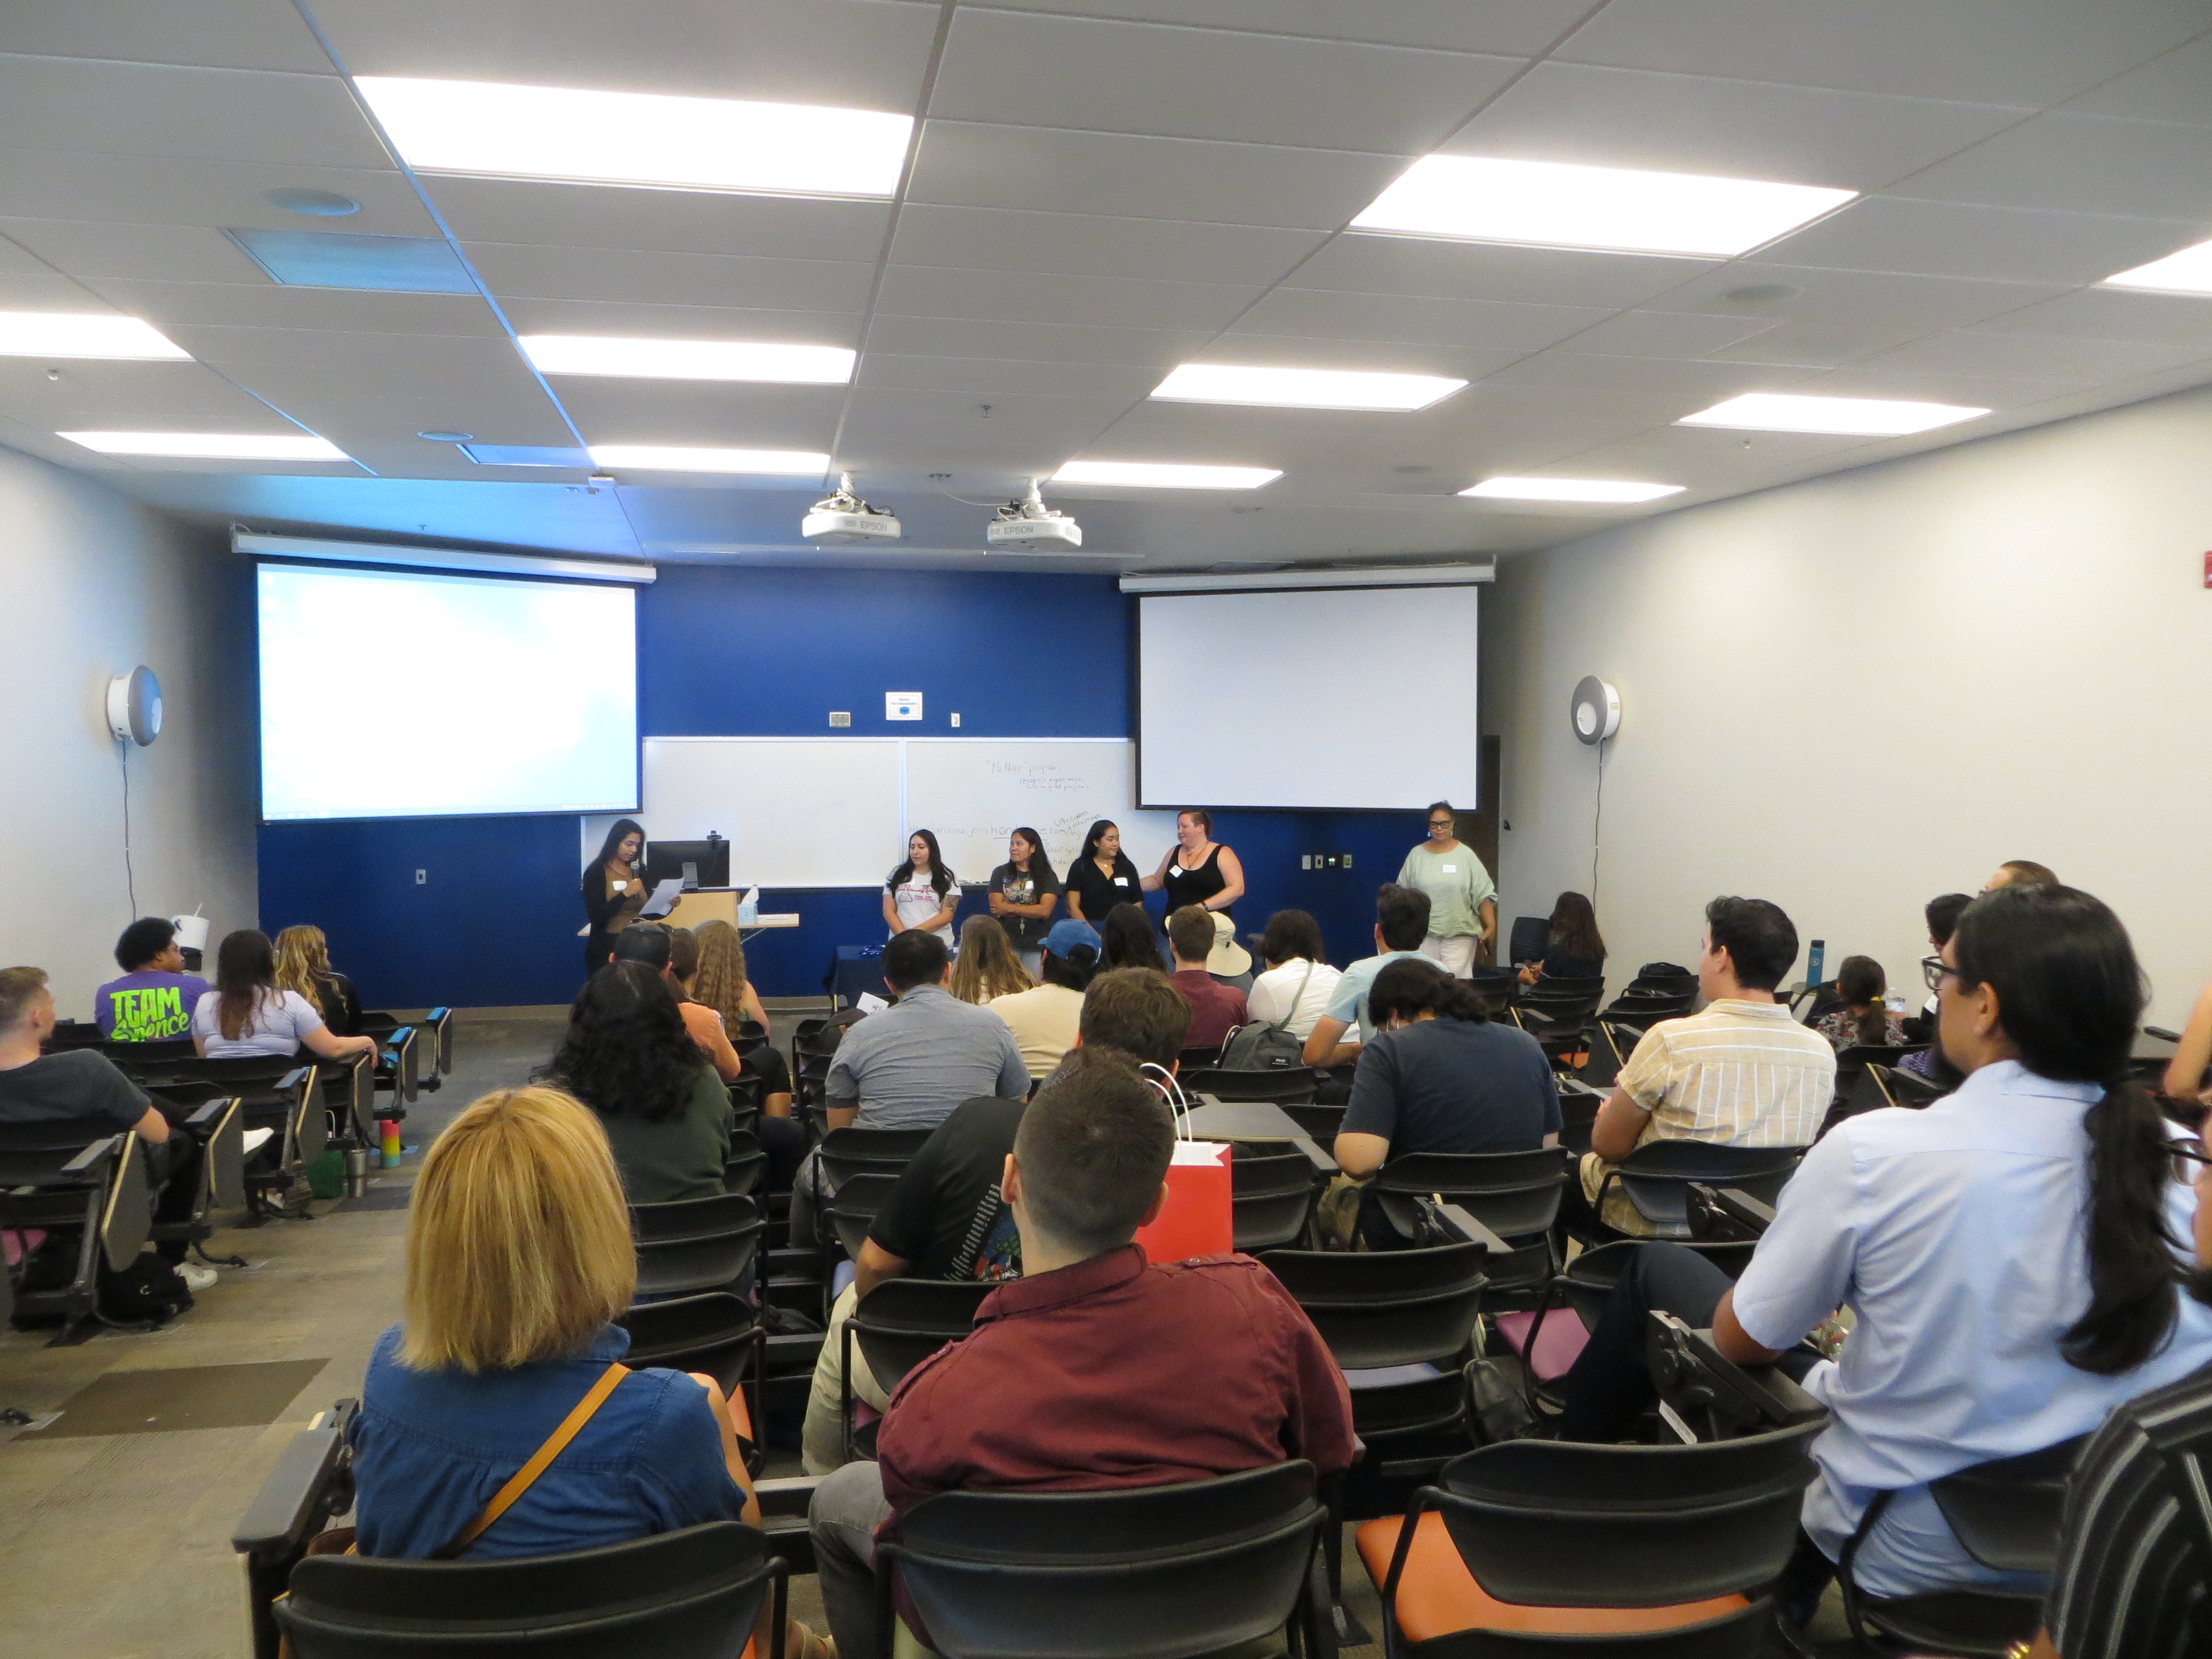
{"points": [[901, 705]]}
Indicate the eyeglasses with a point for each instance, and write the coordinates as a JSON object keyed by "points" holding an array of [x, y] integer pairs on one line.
{"points": [[1440, 823], [2190, 1147], [1932, 969]]}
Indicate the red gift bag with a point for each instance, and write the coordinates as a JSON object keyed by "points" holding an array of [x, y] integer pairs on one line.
{"points": [[1196, 1219]]}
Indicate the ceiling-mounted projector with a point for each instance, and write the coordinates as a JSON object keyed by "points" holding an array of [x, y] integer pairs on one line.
{"points": [[844, 517], [1596, 710], [1031, 523]]}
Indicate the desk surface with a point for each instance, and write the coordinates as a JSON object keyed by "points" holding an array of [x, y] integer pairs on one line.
{"points": [[1254, 1120]]}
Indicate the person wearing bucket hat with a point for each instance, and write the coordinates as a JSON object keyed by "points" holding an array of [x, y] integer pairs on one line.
{"points": [[1044, 1020], [1230, 963]]}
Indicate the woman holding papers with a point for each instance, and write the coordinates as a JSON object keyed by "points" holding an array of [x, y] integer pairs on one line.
{"points": [[615, 891]]}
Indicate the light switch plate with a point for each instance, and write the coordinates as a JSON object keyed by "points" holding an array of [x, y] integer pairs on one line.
{"points": [[841, 717]]}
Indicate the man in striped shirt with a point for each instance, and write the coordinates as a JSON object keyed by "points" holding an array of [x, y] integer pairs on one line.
{"points": [[2134, 1552], [1740, 1073]]}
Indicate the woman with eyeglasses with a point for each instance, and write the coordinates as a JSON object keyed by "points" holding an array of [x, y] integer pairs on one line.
{"points": [[2012, 1254], [1462, 898]]}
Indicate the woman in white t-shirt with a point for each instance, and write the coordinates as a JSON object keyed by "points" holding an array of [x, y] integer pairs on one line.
{"points": [[1298, 982], [921, 895], [245, 1016]]}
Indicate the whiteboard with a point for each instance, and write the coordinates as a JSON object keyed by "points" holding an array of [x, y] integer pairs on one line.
{"points": [[972, 792]]}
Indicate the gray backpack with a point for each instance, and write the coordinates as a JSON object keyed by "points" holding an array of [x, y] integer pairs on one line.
{"points": [[1267, 1047]]}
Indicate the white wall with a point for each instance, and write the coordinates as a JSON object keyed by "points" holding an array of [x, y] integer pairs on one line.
{"points": [[1851, 694], [91, 584]]}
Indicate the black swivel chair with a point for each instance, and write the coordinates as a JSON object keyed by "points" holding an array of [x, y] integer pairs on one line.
{"points": [[744, 1164], [1289, 1085], [1656, 1174], [896, 1327], [1515, 1195], [1270, 1195], [94, 1195], [694, 1244], [1150, 1573]]}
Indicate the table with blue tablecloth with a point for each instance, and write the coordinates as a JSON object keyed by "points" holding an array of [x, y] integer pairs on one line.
{"points": [[857, 972]]}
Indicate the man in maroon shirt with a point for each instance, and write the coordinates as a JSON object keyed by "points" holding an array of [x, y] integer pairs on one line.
{"points": [[1216, 1009], [1094, 1369]]}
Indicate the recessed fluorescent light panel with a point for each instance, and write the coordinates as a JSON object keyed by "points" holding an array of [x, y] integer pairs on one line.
{"points": [[690, 360], [1165, 475], [1479, 198], [678, 458], [76, 334], [211, 446], [1303, 388], [2189, 271], [1614, 492], [1862, 418], [498, 130]]}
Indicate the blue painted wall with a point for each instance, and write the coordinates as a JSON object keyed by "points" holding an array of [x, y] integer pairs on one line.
{"points": [[768, 654]]}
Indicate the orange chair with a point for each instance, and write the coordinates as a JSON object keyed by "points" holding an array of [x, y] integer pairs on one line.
{"points": [[1568, 1550]]}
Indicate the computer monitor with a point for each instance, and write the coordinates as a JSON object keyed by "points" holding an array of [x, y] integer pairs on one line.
{"points": [[695, 863]]}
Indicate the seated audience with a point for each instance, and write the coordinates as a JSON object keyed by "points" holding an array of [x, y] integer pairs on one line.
{"points": [[303, 964], [1860, 1017], [1439, 1076], [2021, 872], [2010, 1253], [1093, 1370], [245, 1016], [1216, 1009], [1402, 922], [718, 982], [1295, 991], [80, 1093], [1126, 939], [654, 947], [518, 1260], [1575, 949], [2134, 1552], [986, 967], [1230, 963], [945, 1218], [1044, 1018], [155, 996], [1941, 914], [628, 1056], [1740, 1073], [781, 1136]]}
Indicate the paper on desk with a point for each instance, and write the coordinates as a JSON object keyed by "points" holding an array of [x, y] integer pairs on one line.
{"points": [[255, 1139], [869, 1003]]}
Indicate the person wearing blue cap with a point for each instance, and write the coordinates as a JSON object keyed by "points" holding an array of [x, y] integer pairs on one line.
{"points": [[1043, 1020]]}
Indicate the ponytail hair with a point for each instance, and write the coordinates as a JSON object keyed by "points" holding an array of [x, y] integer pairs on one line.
{"points": [[2069, 994]]}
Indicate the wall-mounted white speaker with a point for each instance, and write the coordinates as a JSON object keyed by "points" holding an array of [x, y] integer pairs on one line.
{"points": [[1596, 711], [134, 707]]}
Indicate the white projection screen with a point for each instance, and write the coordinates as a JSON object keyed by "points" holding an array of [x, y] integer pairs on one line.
{"points": [[1334, 698], [393, 694]]}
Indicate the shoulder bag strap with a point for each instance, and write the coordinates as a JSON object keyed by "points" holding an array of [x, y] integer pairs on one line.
{"points": [[1297, 997], [540, 1461]]}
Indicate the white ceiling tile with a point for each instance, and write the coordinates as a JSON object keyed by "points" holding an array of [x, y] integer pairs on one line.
{"points": [[833, 328], [273, 305], [1669, 333], [1814, 345], [671, 220], [255, 34], [858, 54], [1950, 239], [1695, 384], [611, 411], [1085, 245], [500, 413], [990, 377], [1702, 457], [1876, 379], [960, 337], [176, 254], [535, 515], [1855, 299], [1243, 344], [1014, 67], [128, 397], [963, 164], [163, 189], [2025, 52], [1360, 264], [2084, 164], [1320, 314], [1516, 27], [2170, 87], [2113, 313], [2074, 361], [1029, 435], [218, 115], [1738, 128], [386, 366], [641, 278], [40, 289], [1030, 296]]}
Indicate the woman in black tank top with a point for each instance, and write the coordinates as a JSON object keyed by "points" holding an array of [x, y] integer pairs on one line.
{"points": [[1199, 870]]}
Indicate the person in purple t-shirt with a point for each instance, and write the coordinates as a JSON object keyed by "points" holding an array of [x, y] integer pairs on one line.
{"points": [[155, 996]]}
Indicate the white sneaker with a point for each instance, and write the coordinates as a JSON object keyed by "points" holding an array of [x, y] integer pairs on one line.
{"points": [[196, 1278]]}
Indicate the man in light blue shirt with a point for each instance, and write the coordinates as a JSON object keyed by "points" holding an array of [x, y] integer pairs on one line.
{"points": [[1960, 1237], [1401, 922]]}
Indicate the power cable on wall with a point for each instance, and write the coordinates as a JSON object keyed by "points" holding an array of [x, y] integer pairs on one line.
{"points": [[129, 875], [1597, 819]]}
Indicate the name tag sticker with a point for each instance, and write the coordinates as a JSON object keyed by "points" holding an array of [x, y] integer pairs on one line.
{"points": [[1121, 881], [622, 887], [1451, 869]]}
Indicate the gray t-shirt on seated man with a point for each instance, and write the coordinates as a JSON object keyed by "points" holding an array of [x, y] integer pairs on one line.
{"points": [[908, 1067]]}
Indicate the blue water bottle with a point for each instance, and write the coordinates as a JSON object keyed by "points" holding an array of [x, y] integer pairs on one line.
{"points": [[1812, 962]]}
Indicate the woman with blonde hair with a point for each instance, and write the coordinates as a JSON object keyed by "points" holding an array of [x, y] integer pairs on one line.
{"points": [[518, 1260], [303, 964], [709, 965], [987, 966]]}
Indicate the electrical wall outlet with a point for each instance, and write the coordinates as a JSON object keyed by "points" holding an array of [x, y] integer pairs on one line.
{"points": [[841, 717], [1305, 862], [1347, 860], [956, 719], [422, 878]]}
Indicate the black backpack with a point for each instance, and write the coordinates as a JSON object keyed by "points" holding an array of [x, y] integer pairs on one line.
{"points": [[1267, 1047], [148, 1289]]}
